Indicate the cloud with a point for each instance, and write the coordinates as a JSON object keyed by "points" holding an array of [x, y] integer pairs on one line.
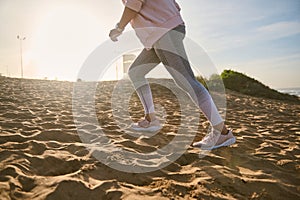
{"points": [[278, 30], [273, 62], [223, 41], [224, 25]]}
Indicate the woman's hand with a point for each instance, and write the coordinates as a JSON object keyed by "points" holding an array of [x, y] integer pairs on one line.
{"points": [[128, 14], [116, 32]]}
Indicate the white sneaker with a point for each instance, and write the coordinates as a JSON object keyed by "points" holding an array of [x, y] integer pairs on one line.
{"points": [[145, 125], [215, 140]]}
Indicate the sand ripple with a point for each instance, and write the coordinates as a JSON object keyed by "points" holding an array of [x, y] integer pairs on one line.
{"points": [[43, 157]]}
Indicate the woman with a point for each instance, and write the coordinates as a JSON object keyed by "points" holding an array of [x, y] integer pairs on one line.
{"points": [[161, 29]]}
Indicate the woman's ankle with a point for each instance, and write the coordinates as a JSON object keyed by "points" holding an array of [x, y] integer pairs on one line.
{"points": [[150, 117], [222, 128]]}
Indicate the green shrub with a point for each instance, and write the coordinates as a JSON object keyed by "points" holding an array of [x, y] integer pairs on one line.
{"points": [[239, 82]]}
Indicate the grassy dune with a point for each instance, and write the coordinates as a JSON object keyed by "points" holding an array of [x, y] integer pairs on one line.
{"points": [[244, 84]]}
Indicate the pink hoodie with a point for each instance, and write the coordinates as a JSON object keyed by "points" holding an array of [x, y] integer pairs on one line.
{"points": [[155, 18]]}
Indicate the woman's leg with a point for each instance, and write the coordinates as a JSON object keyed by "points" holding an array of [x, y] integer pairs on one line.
{"points": [[171, 52], [143, 64]]}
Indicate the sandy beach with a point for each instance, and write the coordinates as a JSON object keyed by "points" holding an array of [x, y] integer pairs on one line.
{"points": [[43, 157]]}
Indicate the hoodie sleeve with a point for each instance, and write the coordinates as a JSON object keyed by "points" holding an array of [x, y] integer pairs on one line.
{"points": [[135, 5], [177, 5]]}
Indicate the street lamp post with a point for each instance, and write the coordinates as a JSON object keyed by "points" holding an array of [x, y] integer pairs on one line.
{"points": [[21, 39], [7, 73]]}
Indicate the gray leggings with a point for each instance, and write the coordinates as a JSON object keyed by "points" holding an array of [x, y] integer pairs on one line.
{"points": [[171, 52]]}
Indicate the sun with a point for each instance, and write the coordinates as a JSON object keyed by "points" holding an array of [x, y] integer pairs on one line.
{"points": [[63, 41]]}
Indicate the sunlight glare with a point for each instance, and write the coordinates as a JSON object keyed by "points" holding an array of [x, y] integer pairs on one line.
{"points": [[63, 41]]}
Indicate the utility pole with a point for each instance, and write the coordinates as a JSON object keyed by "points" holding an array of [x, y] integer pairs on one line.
{"points": [[7, 73], [117, 70], [20, 38]]}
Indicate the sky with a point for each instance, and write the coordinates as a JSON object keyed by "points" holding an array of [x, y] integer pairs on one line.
{"points": [[255, 37]]}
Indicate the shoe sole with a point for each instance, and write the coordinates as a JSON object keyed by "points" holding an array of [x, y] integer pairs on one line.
{"points": [[149, 129], [224, 144]]}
